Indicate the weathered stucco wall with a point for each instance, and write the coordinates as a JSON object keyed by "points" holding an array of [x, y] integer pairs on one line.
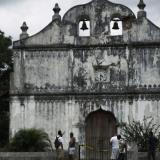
{"points": [[145, 64], [143, 30], [52, 34], [69, 113], [60, 78], [47, 69], [86, 69], [100, 14]]}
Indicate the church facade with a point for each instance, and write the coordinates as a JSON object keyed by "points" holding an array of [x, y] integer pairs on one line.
{"points": [[87, 83]]}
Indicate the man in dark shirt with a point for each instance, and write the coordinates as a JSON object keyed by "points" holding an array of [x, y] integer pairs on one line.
{"points": [[152, 143]]}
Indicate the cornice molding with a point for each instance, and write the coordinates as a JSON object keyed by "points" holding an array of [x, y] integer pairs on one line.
{"points": [[70, 46]]}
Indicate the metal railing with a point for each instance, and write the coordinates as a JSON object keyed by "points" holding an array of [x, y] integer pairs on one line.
{"points": [[95, 149]]}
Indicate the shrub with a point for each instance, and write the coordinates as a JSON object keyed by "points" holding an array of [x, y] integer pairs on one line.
{"points": [[138, 132], [30, 140]]}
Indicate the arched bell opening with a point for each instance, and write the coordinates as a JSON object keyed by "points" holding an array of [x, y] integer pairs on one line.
{"points": [[84, 26], [116, 26]]}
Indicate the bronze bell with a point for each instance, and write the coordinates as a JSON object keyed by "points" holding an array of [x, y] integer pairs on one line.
{"points": [[115, 26], [84, 26]]}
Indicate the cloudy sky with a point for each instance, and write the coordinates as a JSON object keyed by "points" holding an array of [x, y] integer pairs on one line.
{"points": [[38, 13]]}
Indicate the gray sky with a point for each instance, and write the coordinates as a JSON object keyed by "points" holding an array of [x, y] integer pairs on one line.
{"points": [[38, 13]]}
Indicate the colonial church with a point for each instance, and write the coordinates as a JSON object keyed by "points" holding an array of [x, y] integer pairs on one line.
{"points": [[97, 66]]}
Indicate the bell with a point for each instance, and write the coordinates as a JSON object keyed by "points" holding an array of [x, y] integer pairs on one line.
{"points": [[84, 26], [115, 26]]}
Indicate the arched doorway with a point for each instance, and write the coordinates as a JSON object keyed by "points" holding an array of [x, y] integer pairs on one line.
{"points": [[100, 127]]}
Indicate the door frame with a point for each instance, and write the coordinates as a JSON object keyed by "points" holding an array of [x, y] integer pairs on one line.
{"points": [[99, 154]]}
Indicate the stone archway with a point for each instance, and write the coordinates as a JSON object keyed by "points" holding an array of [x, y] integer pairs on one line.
{"points": [[100, 127]]}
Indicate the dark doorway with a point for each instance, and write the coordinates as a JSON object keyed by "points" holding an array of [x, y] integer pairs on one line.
{"points": [[100, 127]]}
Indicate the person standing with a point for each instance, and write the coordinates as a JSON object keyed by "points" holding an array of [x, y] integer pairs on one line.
{"points": [[122, 148], [59, 146], [152, 144], [71, 148], [115, 147]]}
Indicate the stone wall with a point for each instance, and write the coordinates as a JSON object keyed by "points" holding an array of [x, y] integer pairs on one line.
{"points": [[51, 156], [27, 156]]}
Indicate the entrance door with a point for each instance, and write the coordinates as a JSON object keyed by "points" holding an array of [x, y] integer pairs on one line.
{"points": [[100, 127]]}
